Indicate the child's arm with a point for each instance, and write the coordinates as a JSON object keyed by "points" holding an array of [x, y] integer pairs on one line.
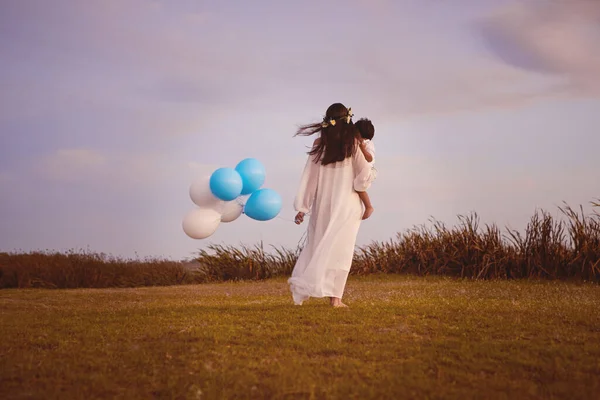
{"points": [[363, 148]]}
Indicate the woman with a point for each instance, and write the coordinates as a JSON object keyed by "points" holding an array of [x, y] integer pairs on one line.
{"points": [[335, 171]]}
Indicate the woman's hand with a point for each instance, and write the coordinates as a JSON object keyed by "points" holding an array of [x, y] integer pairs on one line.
{"points": [[299, 218]]}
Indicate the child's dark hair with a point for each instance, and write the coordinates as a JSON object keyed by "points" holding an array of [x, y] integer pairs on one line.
{"points": [[366, 128]]}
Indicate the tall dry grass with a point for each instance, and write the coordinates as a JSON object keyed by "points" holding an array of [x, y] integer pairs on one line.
{"points": [[80, 269], [550, 248], [224, 263]]}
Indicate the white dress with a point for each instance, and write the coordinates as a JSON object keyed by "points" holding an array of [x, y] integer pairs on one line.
{"points": [[370, 146], [328, 192]]}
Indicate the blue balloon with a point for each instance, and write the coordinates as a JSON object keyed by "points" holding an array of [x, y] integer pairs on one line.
{"points": [[226, 184], [263, 205], [253, 174]]}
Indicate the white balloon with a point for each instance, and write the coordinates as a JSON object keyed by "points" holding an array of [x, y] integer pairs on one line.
{"points": [[231, 211], [202, 196], [201, 223]]}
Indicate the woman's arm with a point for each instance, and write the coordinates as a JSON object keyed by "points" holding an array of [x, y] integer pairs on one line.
{"points": [[308, 188]]}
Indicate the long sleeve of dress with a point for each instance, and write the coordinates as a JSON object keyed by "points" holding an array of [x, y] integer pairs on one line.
{"points": [[362, 171], [308, 187]]}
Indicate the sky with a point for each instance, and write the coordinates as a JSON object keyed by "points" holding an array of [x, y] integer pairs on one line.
{"points": [[110, 109]]}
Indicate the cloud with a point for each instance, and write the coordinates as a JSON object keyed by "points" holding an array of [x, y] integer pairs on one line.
{"points": [[536, 51], [115, 175], [193, 64], [552, 37], [71, 165], [113, 171], [146, 69]]}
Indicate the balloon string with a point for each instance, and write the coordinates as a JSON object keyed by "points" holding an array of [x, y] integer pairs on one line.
{"points": [[303, 239], [281, 218], [291, 220], [286, 219]]}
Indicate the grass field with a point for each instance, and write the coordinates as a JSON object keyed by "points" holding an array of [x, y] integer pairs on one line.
{"points": [[403, 337]]}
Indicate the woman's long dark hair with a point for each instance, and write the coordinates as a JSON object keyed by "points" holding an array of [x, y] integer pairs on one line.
{"points": [[338, 139]]}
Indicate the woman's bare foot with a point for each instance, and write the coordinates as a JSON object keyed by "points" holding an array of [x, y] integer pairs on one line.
{"points": [[368, 212], [336, 302]]}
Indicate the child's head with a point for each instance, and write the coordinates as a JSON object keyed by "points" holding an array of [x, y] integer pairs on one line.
{"points": [[366, 128]]}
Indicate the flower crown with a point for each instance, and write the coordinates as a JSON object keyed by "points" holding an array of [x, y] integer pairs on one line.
{"points": [[332, 121]]}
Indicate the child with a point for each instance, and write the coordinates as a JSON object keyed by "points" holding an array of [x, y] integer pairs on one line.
{"points": [[367, 132]]}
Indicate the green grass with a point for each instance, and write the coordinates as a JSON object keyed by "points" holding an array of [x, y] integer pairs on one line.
{"points": [[403, 337]]}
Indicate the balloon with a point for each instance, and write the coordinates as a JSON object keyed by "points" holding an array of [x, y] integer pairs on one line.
{"points": [[263, 205], [202, 196], [231, 211], [226, 184], [253, 174], [201, 223]]}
